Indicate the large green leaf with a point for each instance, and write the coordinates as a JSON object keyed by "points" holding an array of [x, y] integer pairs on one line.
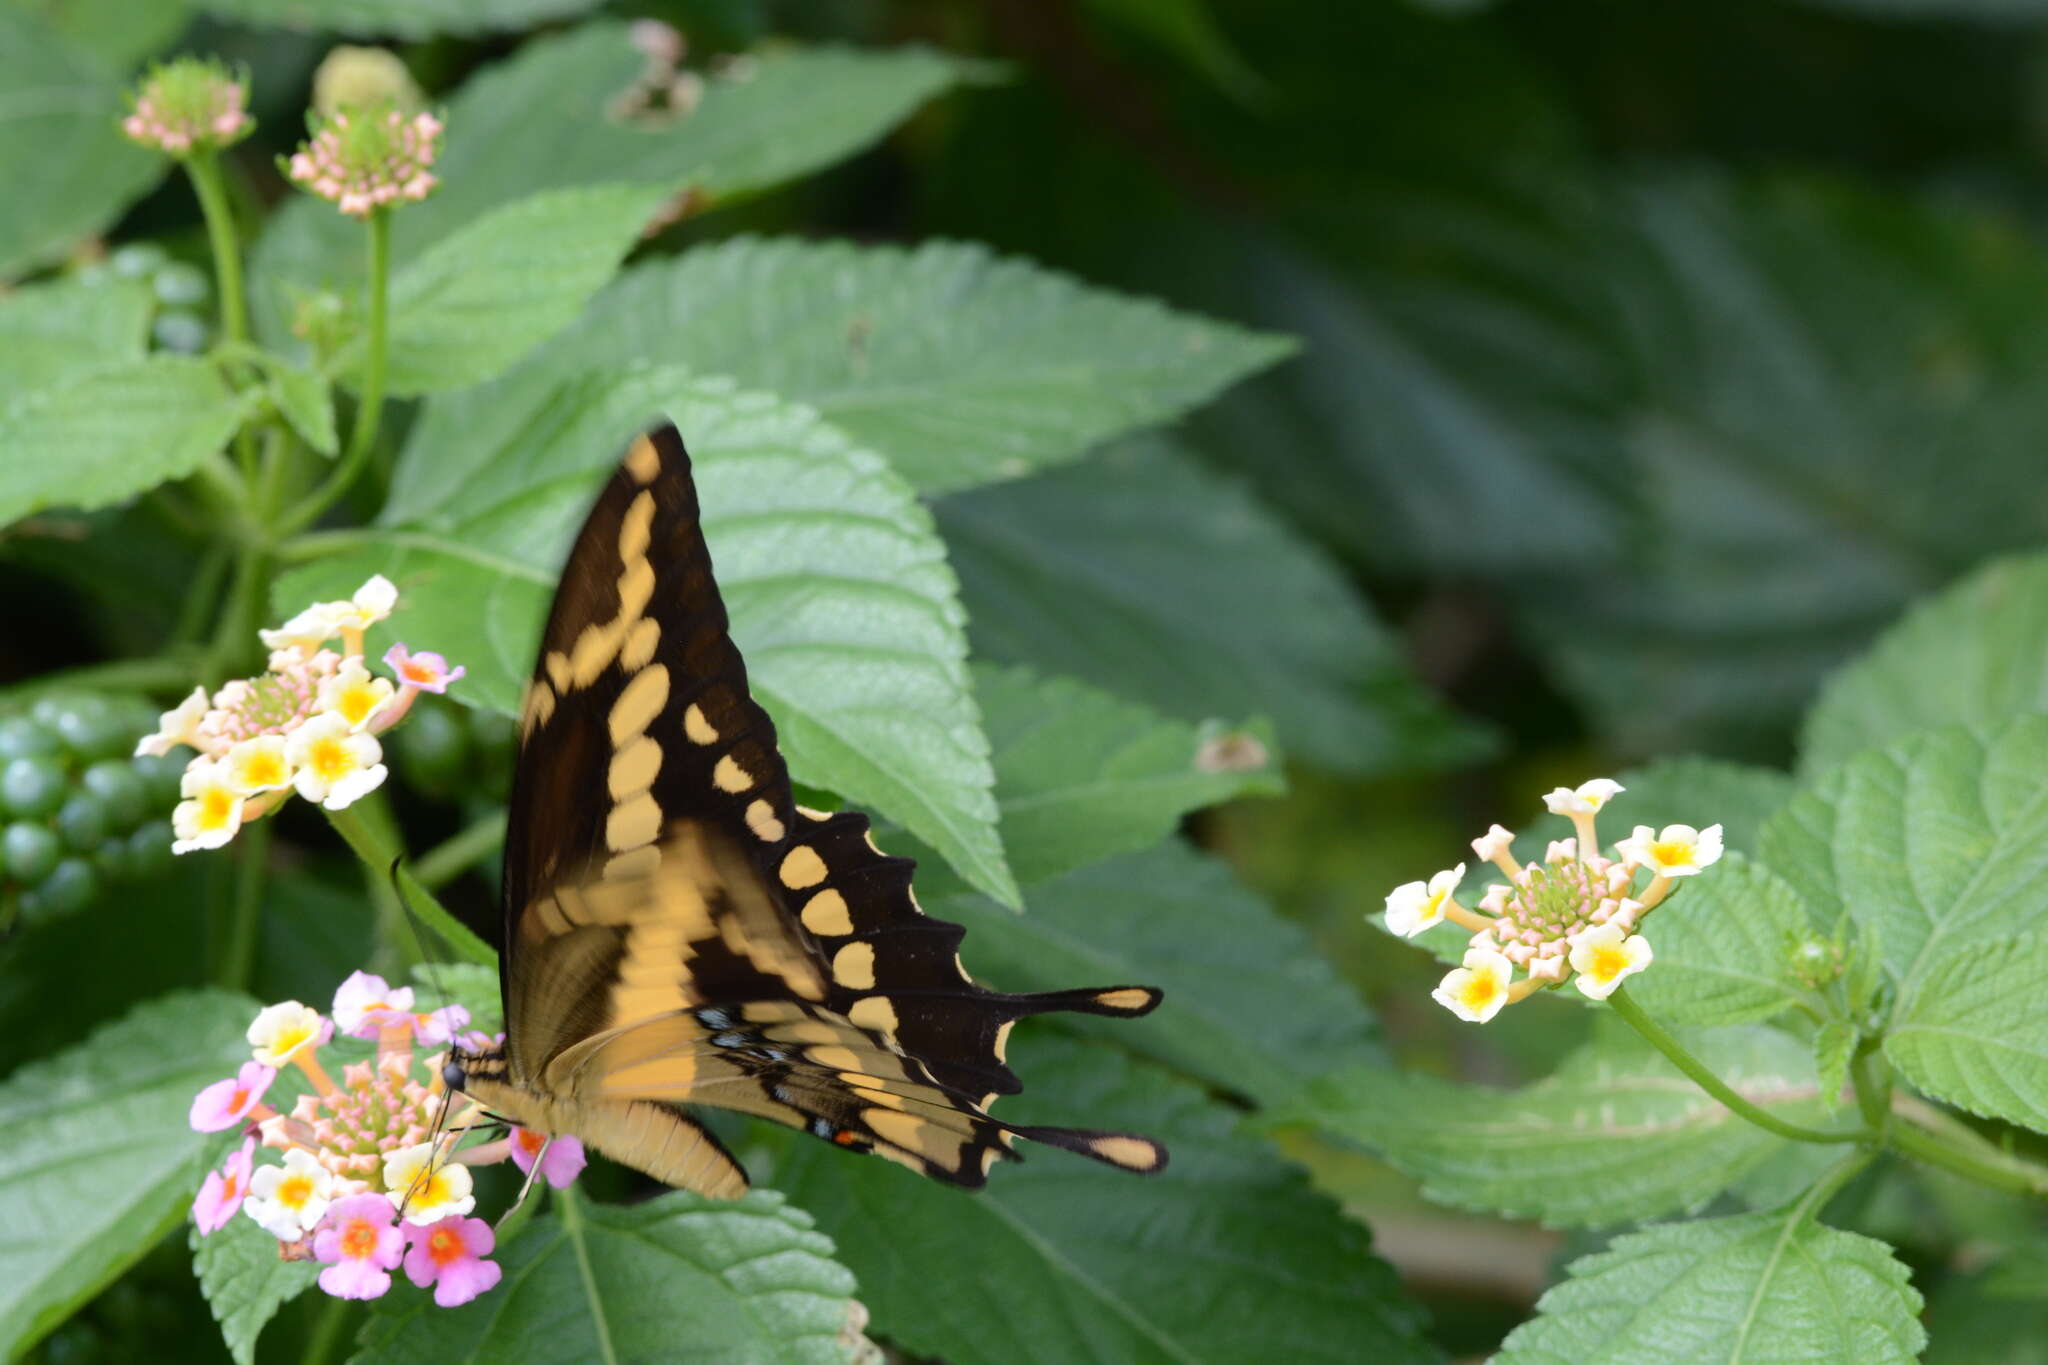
{"points": [[112, 433], [488, 293], [67, 169], [676, 1277], [51, 332], [245, 1282], [1972, 655], [1138, 570], [97, 1161], [1082, 775], [1975, 1032], [1759, 1289], [1724, 948], [1617, 1134], [800, 110], [1227, 1255], [401, 18], [118, 33], [1938, 841], [961, 366], [1250, 1005], [837, 584]]}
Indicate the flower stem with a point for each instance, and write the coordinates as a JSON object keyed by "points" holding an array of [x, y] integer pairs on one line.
{"points": [[445, 862], [1871, 1077], [1933, 1137], [329, 1331], [238, 950], [384, 859], [370, 407], [572, 1224], [1660, 1038], [204, 170]]}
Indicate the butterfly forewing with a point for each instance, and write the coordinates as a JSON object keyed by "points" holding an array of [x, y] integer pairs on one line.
{"points": [[678, 930]]}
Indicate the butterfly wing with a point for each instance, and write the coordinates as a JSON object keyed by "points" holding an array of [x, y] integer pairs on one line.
{"points": [[678, 930]]}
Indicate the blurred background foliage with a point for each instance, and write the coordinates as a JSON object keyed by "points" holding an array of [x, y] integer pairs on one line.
{"points": [[1652, 358]]}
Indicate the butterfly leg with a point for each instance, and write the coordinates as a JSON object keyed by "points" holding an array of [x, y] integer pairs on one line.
{"points": [[531, 1172]]}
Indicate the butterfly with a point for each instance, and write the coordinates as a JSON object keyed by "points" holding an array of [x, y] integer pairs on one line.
{"points": [[678, 931]]}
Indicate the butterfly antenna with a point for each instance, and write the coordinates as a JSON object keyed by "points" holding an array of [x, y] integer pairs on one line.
{"points": [[433, 966]]}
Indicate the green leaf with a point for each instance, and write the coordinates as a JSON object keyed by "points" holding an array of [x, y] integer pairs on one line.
{"points": [[1250, 1005], [305, 401], [1975, 654], [245, 1282], [799, 111], [485, 295], [1938, 841], [837, 585], [961, 366], [470, 984], [1759, 1289], [97, 1161], [118, 33], [1082, 775], [50, 333], [1225, 1256], [1724, 949], [67, 170], [1617, 1134], [1834, 1043], [1994, 1316], [1975, 1031], [1688, 790], [740, 1280], [113, 433], [1189, 31], [400, 18], [1139, 571]]}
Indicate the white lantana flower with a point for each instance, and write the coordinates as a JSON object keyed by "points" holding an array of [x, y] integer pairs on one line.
{"points": [[1493, 843], [426, 1190], [290, 1200], [257, 765], [211, 811], [177, 726], [281, 1031], [331, 764], [354, 695], [1413, 906], [372, 603], [1606, 955], [1476, 991], [307, 631], [1679, 851], [1585, 799]]}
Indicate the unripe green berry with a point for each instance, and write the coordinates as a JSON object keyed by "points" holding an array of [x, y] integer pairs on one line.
{"points": [[28, 851], [22, 737], [69, 888], [32, 786], [82, 823], [118, 787]]}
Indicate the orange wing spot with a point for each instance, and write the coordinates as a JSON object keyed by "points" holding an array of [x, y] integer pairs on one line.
{"points": [[846, 1137]]}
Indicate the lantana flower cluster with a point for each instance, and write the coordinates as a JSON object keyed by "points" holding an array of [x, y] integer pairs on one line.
{"points": [[365, 158], [369, 1179], [189, 105], [1572, 916], [308, 724]]}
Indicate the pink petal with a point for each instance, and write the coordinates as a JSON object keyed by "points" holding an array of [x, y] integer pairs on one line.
{"points": [[464, 1280], [355, 1280]]}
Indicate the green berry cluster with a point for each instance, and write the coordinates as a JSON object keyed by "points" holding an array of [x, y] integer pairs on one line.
{"points": [[183, 320], [455, 752], [77, 814]]}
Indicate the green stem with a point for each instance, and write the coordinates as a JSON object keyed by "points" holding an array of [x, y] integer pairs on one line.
{"points": [[1870, 1074], [204, 170], [317, 544], [1831, 1181], [381, 854], [204, 593], [371, 405], [443, 864], [242, 615], [328, 1331], [1941, 1140], [238, 950], [572, 1224], [169, 671], [1657, 1036]]}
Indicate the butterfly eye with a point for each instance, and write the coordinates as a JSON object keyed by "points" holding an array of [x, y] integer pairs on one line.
{"points": [[454, 1077]]}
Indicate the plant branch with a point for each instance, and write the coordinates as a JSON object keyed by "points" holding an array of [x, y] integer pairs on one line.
{"points": [[369, 408], [1939, 1140], [238, 951], [204, 170], [442, 864], [385, 860]]}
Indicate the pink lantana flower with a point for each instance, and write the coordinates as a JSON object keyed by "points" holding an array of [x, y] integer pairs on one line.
{"points": [[189, 105], [436, 1027], [224, 1191], [561, 1162], [365, 1005], [449, 1255], [226, 1103], [426, 670], [360, 1244]]}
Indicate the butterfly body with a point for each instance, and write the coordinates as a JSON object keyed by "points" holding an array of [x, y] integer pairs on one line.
{"points": [[677, 930]]}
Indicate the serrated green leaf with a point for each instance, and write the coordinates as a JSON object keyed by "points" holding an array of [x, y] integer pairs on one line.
{"points": [[1082, 775], [704, 1279], [798, 111], [1137, 570], [305, 401], [1994, 1316], [97, 1161], [486, 294], [1833, 1044], [1938, 841], [1759, 1289], [836, 582], [50, 333], [1724, 949], [1974, 1031], [470, 984], [1695, 791], [959, 365], [113, 433], [1975, 654], [67, 169], [1225, 1256], [400, 18], [1617, 1134], [245, 1282], [1250, 1005]]}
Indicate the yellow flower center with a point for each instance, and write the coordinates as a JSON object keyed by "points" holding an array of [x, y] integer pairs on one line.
{"points": [[289, 1041], [294, 1190], [356, 703], [331, 760], [216, 806], [1671, 855], [1480, 990], [1609, 961], [264, 769], [1433, 908]]}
